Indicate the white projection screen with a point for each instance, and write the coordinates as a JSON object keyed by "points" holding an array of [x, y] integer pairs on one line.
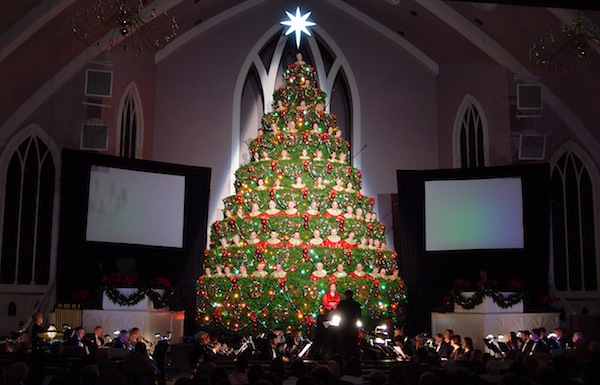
{"points": [[135, 207], [474, 214]]}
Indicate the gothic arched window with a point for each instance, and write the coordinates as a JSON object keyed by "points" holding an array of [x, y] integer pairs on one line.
{"points": [[573, 226], [470, 136], [28, 210], [130, 125]]}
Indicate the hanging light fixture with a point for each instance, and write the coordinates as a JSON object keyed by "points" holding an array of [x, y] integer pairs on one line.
{"points": [[140, 27], [578, 43]]}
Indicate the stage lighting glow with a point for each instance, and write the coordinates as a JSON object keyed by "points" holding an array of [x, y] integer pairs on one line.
{"points": [[335, 320], [359, 324]]}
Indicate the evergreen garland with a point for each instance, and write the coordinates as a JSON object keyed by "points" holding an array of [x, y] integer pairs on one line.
{"points": [[158, 301], [477, 298]]}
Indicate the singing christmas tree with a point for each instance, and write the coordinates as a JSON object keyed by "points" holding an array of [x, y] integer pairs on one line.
{"points": [[297, 224]]}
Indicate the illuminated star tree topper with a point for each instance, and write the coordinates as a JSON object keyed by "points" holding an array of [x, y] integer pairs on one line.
{"points": [[298, 24]]}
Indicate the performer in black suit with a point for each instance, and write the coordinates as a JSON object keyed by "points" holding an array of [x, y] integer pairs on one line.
{"points": [[96, 338], [350, 312]]}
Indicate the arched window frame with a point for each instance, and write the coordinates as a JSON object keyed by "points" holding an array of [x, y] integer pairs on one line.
{"points": [[592, 170], [54, 151], [131, 96], [469, 102]]}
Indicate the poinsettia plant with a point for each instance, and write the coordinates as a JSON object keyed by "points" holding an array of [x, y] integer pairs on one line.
{"points": [[517, 283], [461, 283], [118, 279], [160, 282], [80, 295]]}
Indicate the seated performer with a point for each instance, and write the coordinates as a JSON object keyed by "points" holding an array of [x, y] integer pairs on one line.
{"points": [[218, 272], [273, 241], [280, 106], [265, 156], [375, 272], [272, 210], [298, 185], [349, 212], [331, 299], [334, 210], [339, 271], [350, 188], [239, 213], [291, 127], [284, 155], [207, 272], [382, 273], [319, 272], [364, 243], [260, 271], [279, 272], [243, 272], [343, 155], [295, 240], [350, 242], [254, 211], [224, 243], [358, 272], [393, 276], [254, 239], [277, 185], [319, 183], [358, 214], [318, 156], [339, 185], [316, 240], [314, 209], [237, 242], [333, 239], [304, 155], [260, 185], [227, 272], [332, 158], [315, 128], [291, 210]]}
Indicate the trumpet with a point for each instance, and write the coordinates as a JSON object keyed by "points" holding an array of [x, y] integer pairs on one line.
{"points": [[148, 343]]}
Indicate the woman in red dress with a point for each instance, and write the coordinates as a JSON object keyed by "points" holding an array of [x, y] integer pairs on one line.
{"points": [[331, 299]]}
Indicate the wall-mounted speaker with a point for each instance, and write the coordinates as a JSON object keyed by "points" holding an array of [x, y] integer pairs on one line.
{"points": [[532, 147], [94, 136], [98, 83], [529, 97]]}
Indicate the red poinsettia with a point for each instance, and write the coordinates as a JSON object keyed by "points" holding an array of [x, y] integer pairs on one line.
{"points": [[487, 282], [544, 300], [461, 283], [80, 295], [517, 283], [116, 279], [160, 282]]}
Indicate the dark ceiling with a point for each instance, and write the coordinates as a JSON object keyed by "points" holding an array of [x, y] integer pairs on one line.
{"points": [[36, 40]]}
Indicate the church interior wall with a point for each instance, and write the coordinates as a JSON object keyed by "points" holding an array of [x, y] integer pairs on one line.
{"points": [[195, 88]]}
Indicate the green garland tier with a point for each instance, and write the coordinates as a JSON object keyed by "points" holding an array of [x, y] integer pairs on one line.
{"points": [[298, 208], [257, 304]]}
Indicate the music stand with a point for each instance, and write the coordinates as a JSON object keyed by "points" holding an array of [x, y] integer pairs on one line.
{"points": [[493, 347]]}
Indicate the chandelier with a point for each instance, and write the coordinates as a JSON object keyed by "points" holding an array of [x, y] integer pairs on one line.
{"points": [[108, 22], [577, 43]]}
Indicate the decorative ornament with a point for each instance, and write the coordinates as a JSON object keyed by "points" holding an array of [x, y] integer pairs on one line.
{"points": [[298, 24]]}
